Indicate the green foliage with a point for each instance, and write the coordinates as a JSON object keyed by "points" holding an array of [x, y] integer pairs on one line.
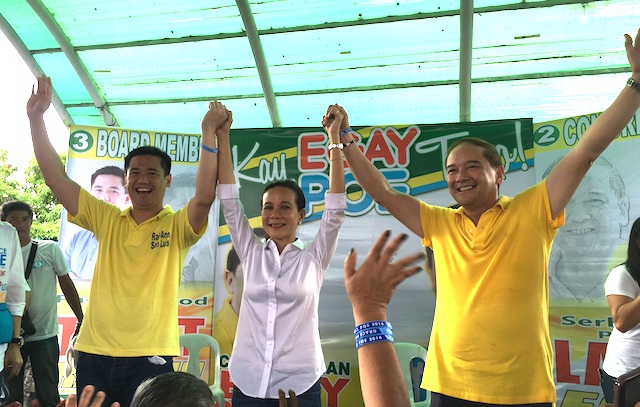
{"points": [[9, 187], [36, 193]]}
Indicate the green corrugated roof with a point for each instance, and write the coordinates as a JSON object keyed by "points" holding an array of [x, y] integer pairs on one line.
{"points": [[156, 63]]}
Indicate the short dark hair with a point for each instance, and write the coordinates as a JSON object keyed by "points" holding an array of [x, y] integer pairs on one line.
{"points": [[11, 206], [165, 160], [300, 199], [233, 261], [173, 389], [490, 151], [108, 170]]}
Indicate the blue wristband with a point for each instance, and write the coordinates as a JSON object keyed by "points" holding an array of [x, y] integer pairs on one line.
{"points": [[372, 339], [373, 331], [372, 324], [209, 149], [345, 131]]}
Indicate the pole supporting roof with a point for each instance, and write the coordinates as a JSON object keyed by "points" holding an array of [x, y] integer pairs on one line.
{"points": [[261, 62]]}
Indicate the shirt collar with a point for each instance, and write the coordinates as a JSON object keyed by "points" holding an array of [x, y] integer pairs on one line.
{"points": [[127, 212], [503, 203], [297, 243]]}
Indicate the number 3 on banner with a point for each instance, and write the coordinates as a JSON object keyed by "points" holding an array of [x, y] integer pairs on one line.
{"points": [[80, 141]]}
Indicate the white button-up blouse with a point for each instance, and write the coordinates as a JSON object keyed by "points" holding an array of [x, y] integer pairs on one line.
{"points": [[277, 343]]}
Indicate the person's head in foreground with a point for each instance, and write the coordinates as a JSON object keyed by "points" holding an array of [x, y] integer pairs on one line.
{"points": [[175, 389]]}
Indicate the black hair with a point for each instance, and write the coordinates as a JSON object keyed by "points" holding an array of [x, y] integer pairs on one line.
{"points": [[11, 206], [108, 170], [490, 151], [300, 199], [173, 389], [633, 252], [165, 160]]}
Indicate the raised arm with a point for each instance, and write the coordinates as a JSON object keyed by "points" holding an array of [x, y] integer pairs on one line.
{"points": [[564, 179], [334, 121], [403, 207], [64, 188], [225, 165], [207, 173], [370, 289]]}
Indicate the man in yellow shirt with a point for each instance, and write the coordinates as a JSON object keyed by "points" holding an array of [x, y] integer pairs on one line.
{"points": [[490, 340], [130, 331]]}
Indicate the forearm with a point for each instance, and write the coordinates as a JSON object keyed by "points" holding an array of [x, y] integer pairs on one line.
{"points": [[225, 170], [207, 172], [47, 157], [17, 324], [336, 166], [380, 374], [628, 315], [71, 296], [611, 122], [64, 188], [367, 175]]}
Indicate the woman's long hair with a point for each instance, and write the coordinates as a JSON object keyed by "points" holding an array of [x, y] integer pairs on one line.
{"points": [[633, 252]]}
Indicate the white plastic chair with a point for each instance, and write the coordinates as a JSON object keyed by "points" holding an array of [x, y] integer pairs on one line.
{"points": [[195, 342], [407, 352]]}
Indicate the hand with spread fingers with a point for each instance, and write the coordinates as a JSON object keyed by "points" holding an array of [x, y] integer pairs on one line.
{"points": [[371, 286], [85, 399]]}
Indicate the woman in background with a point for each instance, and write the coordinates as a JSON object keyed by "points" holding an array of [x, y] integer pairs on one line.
{"points": [[622, 289]]}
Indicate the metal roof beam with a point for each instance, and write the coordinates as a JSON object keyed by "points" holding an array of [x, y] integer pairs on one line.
{"points": [[98, 100], [261, 61], [33, 66], [493, 79], [327, 25]]}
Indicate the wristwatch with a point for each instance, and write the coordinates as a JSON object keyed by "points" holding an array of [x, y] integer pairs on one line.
{"points": [[19, 340]]}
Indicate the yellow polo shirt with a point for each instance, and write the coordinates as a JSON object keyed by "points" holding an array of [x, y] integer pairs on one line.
{"points": [[490, 338], [133, 305]]}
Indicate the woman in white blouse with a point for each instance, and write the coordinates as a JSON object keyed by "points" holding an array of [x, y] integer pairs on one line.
{"points": [[277, 343], [622, 289]]}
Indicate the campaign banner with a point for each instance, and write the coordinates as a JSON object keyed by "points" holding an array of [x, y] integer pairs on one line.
{"points": [[412, 158], [593, 240]]}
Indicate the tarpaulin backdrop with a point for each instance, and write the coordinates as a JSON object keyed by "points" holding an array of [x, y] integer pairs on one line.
{"points": [[593, 240], [410, 156]]}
